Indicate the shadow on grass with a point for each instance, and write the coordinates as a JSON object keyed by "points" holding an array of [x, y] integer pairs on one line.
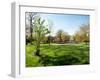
{"points": [[62, 60]]}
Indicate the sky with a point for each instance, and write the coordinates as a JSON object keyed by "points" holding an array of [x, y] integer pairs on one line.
{"points": [[67, 22]]}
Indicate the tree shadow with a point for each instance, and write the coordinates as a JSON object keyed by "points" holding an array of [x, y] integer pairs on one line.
{"points": [[46, 60]]}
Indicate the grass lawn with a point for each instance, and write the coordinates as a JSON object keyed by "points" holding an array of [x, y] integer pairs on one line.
{"points": [[56, 55]]}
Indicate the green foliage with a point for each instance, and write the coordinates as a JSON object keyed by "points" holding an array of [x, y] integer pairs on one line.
{"points": [[39, 32]]}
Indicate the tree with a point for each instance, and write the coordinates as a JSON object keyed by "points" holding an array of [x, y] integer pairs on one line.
{"points": [[40, 31], [83, 34], [62, 37], [77, 37], [58, 35], [49, 25], [30, 17], [65, 37]]}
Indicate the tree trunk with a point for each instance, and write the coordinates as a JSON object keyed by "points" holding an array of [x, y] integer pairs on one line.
{"points": [[37, 52], [31, 29]]}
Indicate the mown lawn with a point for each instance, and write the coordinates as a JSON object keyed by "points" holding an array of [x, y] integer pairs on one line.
{"points": [[56, 55]]}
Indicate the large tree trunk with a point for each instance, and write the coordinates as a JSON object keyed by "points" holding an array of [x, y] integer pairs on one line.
{"points": [[37, 53]]}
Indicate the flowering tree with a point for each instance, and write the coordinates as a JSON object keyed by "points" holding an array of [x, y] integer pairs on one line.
{"points": [[39, 31]]}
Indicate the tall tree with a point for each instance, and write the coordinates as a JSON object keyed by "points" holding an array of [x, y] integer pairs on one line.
{"points": [[30, 18], [59, 35], [83, 34], [40, 31]]}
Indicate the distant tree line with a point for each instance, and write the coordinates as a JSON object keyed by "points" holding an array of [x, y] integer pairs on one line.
{"points": [[62, 37]]}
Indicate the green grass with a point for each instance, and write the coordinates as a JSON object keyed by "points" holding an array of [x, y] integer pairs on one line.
{"points": [[56, 55]]}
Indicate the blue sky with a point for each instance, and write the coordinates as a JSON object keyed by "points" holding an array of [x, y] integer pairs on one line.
{"points": [[67, 22]]}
